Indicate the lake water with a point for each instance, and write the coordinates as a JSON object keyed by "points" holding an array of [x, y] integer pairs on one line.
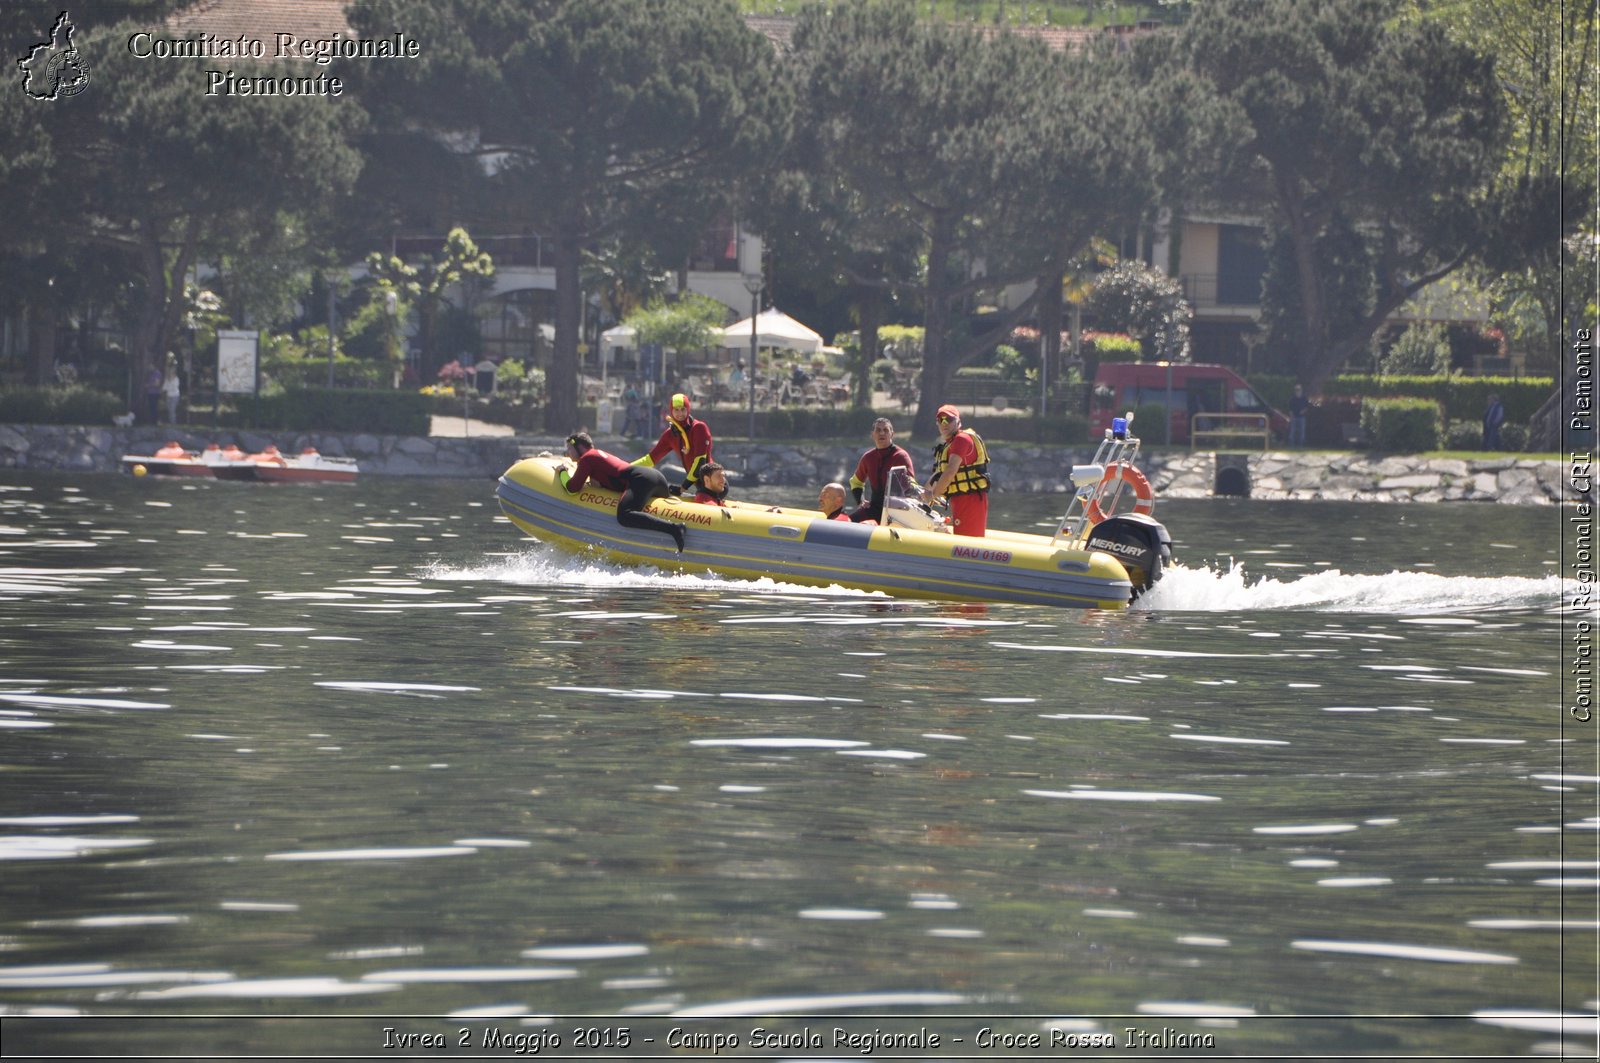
{"points": [[338, 770]]}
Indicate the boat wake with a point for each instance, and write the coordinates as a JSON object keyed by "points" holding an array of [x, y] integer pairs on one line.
{"points": [[1182, 589], [562, 573], [1218, 590]]}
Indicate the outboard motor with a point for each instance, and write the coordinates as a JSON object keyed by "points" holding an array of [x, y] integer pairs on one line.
{"points": [[1140, 542]]}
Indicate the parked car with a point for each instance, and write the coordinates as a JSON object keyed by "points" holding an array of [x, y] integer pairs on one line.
{"points": [[1184, 389]]}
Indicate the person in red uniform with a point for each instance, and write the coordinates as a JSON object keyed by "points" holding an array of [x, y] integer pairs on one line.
{"points": [[961, 473], [639, 486], [686, 436], [872, 471], [713, 485], [831, 501]]}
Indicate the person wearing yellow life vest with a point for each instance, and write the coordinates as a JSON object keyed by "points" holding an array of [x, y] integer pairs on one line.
{"points": [[961, 473], [687, 437]]}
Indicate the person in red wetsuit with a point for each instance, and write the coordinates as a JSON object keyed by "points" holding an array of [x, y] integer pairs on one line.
{"points": [[831, 501], [961, 473], [872, 471], [713, 485], [686, 436], [639, 486]]}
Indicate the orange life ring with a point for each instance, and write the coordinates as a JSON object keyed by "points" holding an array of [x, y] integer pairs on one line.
{"points": [[1146, 498]]}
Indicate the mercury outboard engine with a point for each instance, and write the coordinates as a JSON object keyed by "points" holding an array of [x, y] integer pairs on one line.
{"points": [[1140, 542]]}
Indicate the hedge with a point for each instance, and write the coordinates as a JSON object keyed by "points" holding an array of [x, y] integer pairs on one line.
{"points": [[1403, 425], [64, 405], [400, 413], [1462, 397]]}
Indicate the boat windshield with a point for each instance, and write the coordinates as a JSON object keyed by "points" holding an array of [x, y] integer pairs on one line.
{"points": [[899, 484]]}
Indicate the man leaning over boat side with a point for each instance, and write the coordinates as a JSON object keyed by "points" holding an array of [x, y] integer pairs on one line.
{"points": [[639, 485], [872, 472], [961, 473], [686, 436]]}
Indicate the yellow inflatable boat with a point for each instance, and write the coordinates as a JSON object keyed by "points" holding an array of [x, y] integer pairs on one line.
{"points": [[1087, 564]]}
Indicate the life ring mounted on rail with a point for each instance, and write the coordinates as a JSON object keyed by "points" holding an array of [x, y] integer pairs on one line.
{"points": [[1145, 498]]}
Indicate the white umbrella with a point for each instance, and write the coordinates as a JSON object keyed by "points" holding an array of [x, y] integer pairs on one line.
{"points": [[621, 336], [773, 329]]}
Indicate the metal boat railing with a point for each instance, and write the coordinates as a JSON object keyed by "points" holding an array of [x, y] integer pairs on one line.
{"points": [[1119, 447]]}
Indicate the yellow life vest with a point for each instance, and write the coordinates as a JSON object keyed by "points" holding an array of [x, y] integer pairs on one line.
{"points": [[972, 477]]}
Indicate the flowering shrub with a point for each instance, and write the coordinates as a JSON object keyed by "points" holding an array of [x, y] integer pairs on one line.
{"points": [[452, 372], [1110, 344]]}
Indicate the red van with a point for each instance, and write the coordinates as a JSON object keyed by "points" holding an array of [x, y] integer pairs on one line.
{"points": [[1183, 388]]}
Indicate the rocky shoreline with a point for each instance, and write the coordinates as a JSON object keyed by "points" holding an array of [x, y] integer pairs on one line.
{"points": [[1358, 477]]}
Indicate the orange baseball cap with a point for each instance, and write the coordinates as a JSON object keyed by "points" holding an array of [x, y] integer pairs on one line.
{"points": [[948, 411]]}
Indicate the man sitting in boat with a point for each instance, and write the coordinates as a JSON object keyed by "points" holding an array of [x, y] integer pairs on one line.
{"points": [[713, 485], [831, 501], [961, 472], [639, 485], [872, 472], [686, 436]]}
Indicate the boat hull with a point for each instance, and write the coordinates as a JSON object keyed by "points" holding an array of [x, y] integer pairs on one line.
{"points": [[799, 546], [167, 466]]}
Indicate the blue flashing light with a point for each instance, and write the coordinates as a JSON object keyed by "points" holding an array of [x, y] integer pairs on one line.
{"points": [[1119, 428]]}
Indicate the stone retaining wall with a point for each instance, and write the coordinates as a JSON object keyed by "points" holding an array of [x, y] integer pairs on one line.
{"points": [[1177, 474]]}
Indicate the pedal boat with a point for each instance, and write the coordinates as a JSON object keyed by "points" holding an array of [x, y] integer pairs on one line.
{"points": [[752, 541], [309, 466], [169, 460]]}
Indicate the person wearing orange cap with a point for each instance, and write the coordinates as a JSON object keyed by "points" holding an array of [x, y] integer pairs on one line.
{"points": [[961, 473], [687, 437]]}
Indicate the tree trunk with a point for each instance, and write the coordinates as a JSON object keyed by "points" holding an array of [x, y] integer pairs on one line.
{"points": [[1049, 318], [561, 413], [147, 332], [935, 320], [42, 343]]}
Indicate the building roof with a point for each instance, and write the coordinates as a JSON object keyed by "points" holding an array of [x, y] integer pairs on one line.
{"points": [[261, 20]]}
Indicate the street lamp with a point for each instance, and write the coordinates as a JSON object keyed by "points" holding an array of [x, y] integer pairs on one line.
{"points": [[753, 285]]}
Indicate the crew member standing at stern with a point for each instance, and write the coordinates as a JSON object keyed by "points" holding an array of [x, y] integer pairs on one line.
{"points": [[961, 473], [686, 436]]}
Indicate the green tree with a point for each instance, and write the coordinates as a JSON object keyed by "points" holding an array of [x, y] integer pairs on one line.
{"points": [[1545, 58], [422, 284], [997, 158], [691, 323], [1146, 304], [1346, 116], [150, 173], [599, 116], [1423, 349]]}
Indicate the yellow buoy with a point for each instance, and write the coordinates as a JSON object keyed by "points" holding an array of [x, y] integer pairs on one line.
{"points": [[139, 470]]}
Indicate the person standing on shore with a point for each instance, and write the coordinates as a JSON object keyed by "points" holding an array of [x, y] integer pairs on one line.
{"points": [[1298, 405], [152, 395], [1493, 417], [171, 388]]}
